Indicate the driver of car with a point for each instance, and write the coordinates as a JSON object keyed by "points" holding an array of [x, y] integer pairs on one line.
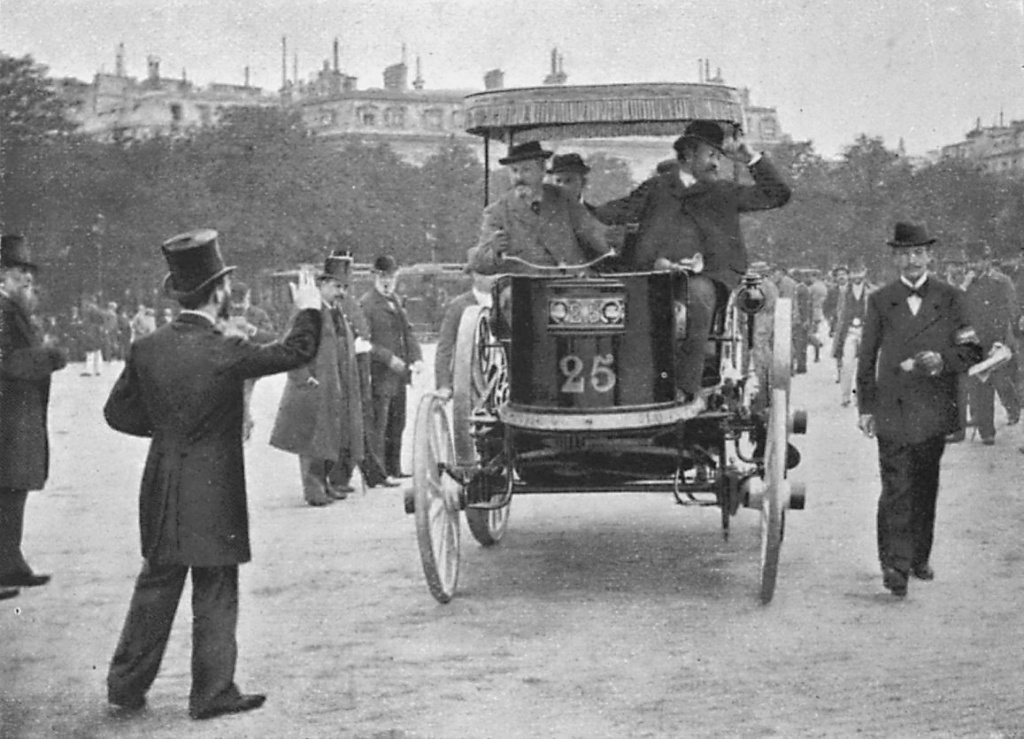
{"points": [[536, 222]]}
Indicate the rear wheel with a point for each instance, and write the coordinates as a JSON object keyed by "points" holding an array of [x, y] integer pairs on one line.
{"points": [[436, 499], [488, 526]]}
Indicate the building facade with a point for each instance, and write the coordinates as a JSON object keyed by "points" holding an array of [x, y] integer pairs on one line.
{"points": [[998, 149]]}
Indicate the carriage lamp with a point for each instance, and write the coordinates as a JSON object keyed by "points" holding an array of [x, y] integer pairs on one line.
{"points": [[751, 297]]}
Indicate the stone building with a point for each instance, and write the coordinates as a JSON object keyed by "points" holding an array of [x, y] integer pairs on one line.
{"points": [[997, 149]]}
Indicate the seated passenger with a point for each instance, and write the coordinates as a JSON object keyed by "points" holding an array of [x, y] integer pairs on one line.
{"points": [[535, 222], [689, 211]]}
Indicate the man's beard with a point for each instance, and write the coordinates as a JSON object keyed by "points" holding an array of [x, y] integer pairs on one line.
{"points": [[224, 310]]}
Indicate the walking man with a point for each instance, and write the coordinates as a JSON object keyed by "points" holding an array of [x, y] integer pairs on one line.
{"points": [[183, 387], [846, 346], [916, 340], [27, 361]]}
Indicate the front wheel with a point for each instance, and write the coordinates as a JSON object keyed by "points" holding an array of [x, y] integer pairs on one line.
{"points": [[436, 498]]}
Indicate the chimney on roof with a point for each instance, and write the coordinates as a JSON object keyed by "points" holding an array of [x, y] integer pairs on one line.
{"points": [[337, 67], [153, 68], [246, 75], [418, 83], [707, 70], [396, 77], [119, 63], [494, 79], [557, 76], [295, 67], [284, 62]]}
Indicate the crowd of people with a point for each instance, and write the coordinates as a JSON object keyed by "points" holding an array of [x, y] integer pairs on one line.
{"points": [[903, 350]]}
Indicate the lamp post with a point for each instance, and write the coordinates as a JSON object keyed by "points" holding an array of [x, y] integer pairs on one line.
{"points": [[99, 229]]}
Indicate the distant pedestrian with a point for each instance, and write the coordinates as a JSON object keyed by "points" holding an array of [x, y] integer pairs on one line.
{"points": [[27, 361], [846, 343], [916, 340], [183, 387]]}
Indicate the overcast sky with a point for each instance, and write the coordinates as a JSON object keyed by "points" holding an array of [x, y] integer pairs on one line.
{"points": [[923, 70]]}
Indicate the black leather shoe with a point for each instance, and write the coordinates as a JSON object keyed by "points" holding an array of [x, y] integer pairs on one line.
{"points": [[399, 475], [239, 705], [990, 441], [923, 572], [6, 593], [955, 438], [23, 580], [126, 708], [339, 493], [894, 581]]}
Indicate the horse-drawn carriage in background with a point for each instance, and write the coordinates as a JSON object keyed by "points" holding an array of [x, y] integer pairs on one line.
{"points": [[568, 384]]}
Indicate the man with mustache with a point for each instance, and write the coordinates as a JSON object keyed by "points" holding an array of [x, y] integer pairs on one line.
{"points": [[534, 221], [689, 210]]}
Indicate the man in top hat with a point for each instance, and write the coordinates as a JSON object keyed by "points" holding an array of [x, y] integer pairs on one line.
{"points": [[394, 357], [689, 211], [183, 386], [916, 340], [991, 309], [534, 221], [320, 417], [27, 360]]}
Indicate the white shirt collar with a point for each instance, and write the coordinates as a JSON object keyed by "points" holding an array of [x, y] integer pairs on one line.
{"points": [[914, 285]]}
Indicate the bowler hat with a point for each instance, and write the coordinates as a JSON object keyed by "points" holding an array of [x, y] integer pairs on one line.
{"points": [[568, 163], [337, 266], [14, 252], [194, 261], [910, 234], [385, 264], [524, 152], [708, 132]]}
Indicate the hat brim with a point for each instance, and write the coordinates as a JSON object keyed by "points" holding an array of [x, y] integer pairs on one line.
{"points": [[570, 170], [702, 140], [909, 244], [541, 155], [174, 294], [17, 264]]}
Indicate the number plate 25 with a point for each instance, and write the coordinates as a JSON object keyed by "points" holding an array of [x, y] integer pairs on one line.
{"points": [[576, 375]]}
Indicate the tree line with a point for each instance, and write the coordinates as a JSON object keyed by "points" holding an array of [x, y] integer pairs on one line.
{"points": [[96, 213]]}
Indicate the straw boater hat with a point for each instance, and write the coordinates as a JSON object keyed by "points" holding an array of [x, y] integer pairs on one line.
{"points": [[910, 234], [568, 163], [525, 152], [14, 253], [194, 261]]}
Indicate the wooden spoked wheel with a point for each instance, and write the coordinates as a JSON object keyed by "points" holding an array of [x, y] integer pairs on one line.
{"points": [[479, 386], [774, 502], [436, 498]]}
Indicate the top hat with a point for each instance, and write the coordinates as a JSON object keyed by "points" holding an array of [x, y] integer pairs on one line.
{"points": [[385, 264], [14, 252], [910, 234], [337, 266], [708, 132], [568, 163], [194, 261], [524, 152]]}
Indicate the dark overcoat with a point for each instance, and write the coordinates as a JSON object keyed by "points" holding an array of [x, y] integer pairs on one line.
{"points": [[183, 386], [321, 420], [911, 407], [391, 335], [446, 336], [676, 221], [991, 308], [25, 369]]}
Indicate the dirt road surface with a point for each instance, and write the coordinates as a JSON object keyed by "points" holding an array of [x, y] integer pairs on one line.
{"points": [[597, 616]]}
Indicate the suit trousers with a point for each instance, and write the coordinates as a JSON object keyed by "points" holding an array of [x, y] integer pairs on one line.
{"points": [[906, 508], [982, 399], [319, 475], [691, 349], [12, 528], [148, 626], [848, 363], [388, 426]]}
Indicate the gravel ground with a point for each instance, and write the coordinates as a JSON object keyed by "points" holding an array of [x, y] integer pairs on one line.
{"points": [[598, 615]]}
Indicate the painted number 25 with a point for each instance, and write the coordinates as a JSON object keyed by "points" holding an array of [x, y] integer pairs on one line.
{"points": [[602, 376]]}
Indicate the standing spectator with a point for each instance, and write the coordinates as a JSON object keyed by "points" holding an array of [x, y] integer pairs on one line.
{"points": [[143, 322], [26, 363], [846, 347], [959, 276], [444, 357], [93, 337], [320, 417], [124, 333], [917, 338], [819, 293], [801, 324], [182, 386], [833, 309], [991, 306], [253, 314], [111, 331], [75, 333], [395, 356]]}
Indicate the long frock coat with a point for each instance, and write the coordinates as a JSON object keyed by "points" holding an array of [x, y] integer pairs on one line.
{"points": [[25, 369], [183, 387], [320, 421]]}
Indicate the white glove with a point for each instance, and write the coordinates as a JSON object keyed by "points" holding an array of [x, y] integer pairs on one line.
{"points": [[362, 346]]}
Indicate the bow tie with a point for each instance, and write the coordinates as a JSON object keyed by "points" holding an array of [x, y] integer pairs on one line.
{"points": [[918, 291]]}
